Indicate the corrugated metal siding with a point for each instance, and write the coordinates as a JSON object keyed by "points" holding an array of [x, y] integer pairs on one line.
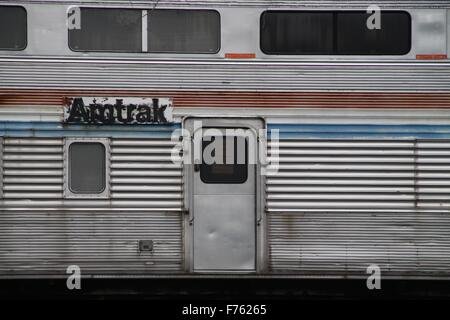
{"points": [[362, 174], [100, 242], [95, 74], [227, 99], [342, 174], [336, 206], [346, 243], [142, 172], [42, 233], [433, 173], [32, 169]]}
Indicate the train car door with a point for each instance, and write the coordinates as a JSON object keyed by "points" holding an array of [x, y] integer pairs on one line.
{"points": [[223, 208]]}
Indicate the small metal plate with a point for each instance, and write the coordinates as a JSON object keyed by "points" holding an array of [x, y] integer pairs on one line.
{"points": [[145, 245]]}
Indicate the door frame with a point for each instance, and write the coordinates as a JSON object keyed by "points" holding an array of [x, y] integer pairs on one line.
{"points": [[188, 175]]}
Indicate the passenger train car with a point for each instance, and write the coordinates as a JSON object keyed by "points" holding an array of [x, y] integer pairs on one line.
{"points": [[104, 105]]}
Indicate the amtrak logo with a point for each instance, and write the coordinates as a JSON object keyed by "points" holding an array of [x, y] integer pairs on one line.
{"points": [[118, 111]]}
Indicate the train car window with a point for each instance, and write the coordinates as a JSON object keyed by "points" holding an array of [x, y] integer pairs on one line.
{"points": [[393, 38], [296, 32], [334, 33], [226, 168], [113, 30], [13, 28], [87, 167], [183, 31]]}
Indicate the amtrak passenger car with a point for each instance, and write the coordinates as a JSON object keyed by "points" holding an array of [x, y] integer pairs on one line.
{"points": [[345, 105]]}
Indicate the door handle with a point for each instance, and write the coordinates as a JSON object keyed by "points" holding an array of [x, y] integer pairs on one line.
{"points": [[196, 167]]}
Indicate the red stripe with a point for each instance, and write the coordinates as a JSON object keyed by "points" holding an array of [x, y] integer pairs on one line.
{"points": [[431, 56], [240, 55], [227, 99]]}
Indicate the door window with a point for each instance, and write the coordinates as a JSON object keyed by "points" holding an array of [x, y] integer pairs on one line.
{"points": [[224, 160]]}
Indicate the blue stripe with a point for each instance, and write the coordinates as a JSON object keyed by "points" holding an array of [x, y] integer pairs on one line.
{"points": [[360, 131], [54, 129]]}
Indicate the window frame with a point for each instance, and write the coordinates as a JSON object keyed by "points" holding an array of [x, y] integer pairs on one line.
{"points": [[335, 34], [68, 193], [26, 29], [219, 35]]}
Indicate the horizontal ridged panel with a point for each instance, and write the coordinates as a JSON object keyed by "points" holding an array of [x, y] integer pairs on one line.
{"points": [[145, 203], [225, 76], [313, 225], [139, 170], [365, 174], [40, 242], [341, 174], [224, 99], [433, 156], [348, 242], [32, 169]]}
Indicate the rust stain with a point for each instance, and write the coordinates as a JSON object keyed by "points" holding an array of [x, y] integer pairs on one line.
{"points": [[242, 99]]}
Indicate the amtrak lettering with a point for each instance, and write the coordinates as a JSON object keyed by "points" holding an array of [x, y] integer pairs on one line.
{"points": [[118, 111]]}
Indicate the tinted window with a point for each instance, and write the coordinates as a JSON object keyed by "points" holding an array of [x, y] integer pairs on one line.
{"points": [[353, 37], [108, 30], [13, 28], [87, 167], [334, 33], [183, 31], [297, 33], [230, 160]]}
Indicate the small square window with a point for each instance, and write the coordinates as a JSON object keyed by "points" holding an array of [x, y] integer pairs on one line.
{"points": [[86, 168], [228, 165]]}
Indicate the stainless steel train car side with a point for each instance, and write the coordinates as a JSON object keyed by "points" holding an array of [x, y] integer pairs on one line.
{"points": [[363, 153]]}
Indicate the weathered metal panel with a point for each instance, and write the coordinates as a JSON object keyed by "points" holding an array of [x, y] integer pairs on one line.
{"points": [[346, 243], [237, 39], [136, 164], [326, 172], [224, 76], [39, 242], [255, 3], [338, 205], [228, 100], [432, 164], [101, 236], [24, 163], [51, 64]]}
